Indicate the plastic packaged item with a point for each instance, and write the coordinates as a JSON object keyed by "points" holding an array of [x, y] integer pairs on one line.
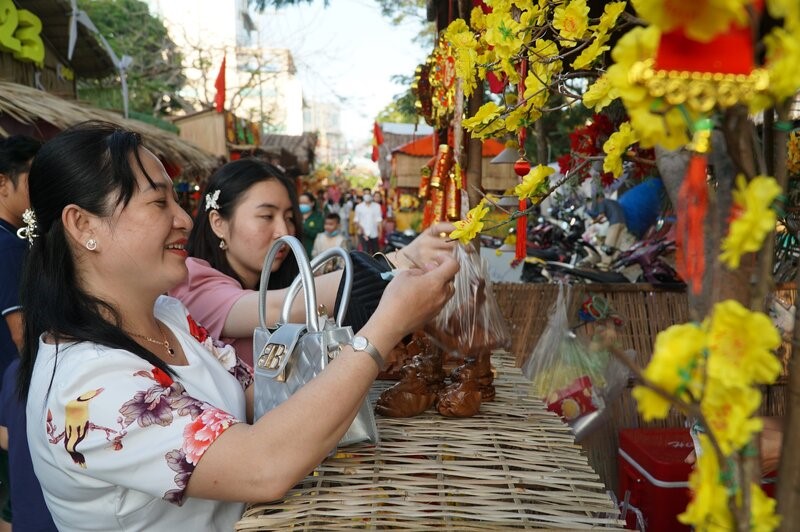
{"points": [[470, 322], [577, 380]]}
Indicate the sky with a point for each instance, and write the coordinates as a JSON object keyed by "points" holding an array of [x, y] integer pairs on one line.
{"points": [[346, 52]]}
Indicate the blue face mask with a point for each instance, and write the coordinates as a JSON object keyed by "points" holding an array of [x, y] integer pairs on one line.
{"points": [[332, 233], [305, 208]]}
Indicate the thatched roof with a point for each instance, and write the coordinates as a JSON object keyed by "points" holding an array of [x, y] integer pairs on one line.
{"points": [[27, 105]]}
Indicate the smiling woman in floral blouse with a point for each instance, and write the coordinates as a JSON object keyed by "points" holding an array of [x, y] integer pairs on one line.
{"points": [[137, 419]]}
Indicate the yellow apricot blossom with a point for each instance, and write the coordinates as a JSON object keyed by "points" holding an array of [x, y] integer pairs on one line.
{"points": [[783, 62], [747, 232], [591, 52], [676, 367], [611, 13], [571, 20], [533, 181], [710, 498], [701, 20], [741, 345], [487, 120], [471, 225], [730, 414], [600, 94], [616, 146], [465, 50]]}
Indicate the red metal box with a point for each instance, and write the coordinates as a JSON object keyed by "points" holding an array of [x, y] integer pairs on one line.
{"points": [[653, 471]]}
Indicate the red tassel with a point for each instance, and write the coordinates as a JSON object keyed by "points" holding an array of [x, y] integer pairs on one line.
{"points": [[692, 209], [522, 234]]}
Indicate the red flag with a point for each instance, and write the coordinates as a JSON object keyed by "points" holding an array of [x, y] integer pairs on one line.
{"points": [[377, 140], [219, 84]]}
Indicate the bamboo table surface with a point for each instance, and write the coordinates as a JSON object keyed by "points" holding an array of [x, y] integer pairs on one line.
{"points": [[513, 466]]}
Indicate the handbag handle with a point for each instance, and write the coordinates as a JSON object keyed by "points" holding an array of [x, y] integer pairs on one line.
{"points": [[316, 263], [305, 276]]}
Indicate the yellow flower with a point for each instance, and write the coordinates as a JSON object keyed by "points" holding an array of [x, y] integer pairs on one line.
{"points": [[503, 32], [522, 116], [762, 511], [571, 20], [701, 20], [729, 412], [741, 343], [591, 52], [486, 121], [785, 9], [783, 62], [465, 46], [600, 94], [616, 146], [543, 65], [667, 127], [709, 497], [747, 232], [477, 19], [676, 366], [531, 182], [470, 226], [609, 17]]}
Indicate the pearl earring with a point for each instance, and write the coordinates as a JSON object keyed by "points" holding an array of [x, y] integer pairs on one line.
{"points": [[222, 245], [91, 244]]}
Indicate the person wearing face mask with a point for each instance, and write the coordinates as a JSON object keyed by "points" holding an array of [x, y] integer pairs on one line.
{"points": [[368, 224], [331, 237], [312, 220]]}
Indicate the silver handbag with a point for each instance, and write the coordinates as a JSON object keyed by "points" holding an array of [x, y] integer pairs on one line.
{"points": [[289, 355]]}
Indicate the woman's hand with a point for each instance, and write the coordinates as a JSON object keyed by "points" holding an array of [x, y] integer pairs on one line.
{"points": [[416, 295], [426, 247]]}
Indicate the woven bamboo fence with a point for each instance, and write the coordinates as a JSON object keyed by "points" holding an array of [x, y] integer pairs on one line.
{"points": [[646, 310], [514, 466]]}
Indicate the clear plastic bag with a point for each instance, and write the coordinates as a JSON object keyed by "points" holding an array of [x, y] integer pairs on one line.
{"points": [[470, 322], [577, 380]]}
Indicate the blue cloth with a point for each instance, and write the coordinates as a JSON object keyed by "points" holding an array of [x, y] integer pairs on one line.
{"points": [[642, 205], [28, 509], [12, 256]]}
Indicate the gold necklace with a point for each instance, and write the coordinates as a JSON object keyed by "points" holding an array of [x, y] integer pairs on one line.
{"points": [[164, 343]]}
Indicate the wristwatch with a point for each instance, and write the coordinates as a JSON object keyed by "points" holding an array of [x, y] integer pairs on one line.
{"points": [[360, 343]]}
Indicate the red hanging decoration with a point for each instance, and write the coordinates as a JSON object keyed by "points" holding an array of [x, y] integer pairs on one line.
{"points": [[692, 209], [522, 168]]}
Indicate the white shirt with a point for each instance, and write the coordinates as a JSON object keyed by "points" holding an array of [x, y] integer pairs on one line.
{"points": [[368, 218], [114, 441]]}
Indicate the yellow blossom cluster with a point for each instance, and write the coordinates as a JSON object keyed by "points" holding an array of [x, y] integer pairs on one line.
{"points": [[533, 183], [716, 364], [471, 225], [709, 511], [719, 365], [616, 146], [746, 233]]}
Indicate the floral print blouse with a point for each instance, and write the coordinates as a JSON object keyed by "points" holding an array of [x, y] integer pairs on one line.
{"points": [[114, 440]]}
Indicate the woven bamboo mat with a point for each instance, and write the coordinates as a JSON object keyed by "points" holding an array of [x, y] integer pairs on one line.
{"points": [[514, 466]]}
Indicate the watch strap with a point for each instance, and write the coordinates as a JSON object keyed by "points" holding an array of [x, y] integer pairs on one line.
{"points": [[372, 351]]}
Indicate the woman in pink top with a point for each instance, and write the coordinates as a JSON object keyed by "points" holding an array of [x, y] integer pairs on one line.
{"points": [[249, 204]]}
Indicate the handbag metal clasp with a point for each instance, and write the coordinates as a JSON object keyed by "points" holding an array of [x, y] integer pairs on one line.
{"points": [[271, 358]]}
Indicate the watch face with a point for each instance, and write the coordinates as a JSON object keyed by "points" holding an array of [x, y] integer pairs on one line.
{"points": [[359, 343]]}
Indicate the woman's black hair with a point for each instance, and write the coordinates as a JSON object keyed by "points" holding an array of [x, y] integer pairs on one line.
{"points": [[233, 180], [91, 166]]}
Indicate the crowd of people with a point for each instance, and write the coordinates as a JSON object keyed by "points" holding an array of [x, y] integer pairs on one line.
{"points": [[127, 333]]}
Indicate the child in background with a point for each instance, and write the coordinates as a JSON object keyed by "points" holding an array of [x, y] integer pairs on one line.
{"points": [[332, 237]]}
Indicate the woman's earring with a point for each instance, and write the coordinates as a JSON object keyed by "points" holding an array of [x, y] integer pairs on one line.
{"points": [[91, 244], [222, 245]]}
